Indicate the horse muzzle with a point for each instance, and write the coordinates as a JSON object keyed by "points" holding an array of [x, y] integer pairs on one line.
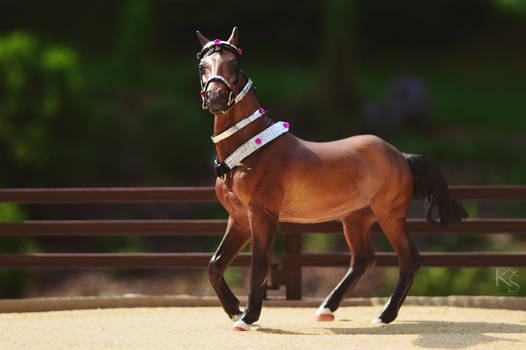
{"points": [[216, 101], [216, 98]]}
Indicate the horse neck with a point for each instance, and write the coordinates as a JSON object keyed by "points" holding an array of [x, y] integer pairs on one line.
{"points": [[248, 105]]}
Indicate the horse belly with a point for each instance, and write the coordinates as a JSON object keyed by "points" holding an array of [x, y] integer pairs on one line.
{"points": [[315, 203]]}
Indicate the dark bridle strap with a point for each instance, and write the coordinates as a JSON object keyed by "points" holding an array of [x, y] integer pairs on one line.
{"points": [[233, 96], [220, 78], [213, 45]]}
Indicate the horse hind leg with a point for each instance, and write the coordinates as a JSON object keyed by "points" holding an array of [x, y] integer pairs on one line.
{"points": [[409, 262], [357, 231]]}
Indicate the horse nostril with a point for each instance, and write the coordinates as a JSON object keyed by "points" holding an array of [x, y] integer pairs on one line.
{"points": [[217, 95], [216, 100]]}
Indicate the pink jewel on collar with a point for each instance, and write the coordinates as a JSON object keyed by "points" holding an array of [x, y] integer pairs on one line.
{"points": [[262, 110], [258, 141], [286, 124], [217, 41], [239, 51], [202, 93], [233, 87]]}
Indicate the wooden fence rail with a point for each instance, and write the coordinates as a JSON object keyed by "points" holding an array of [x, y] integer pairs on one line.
{"points": [[199, 194], [217, 227], [286, 272]]}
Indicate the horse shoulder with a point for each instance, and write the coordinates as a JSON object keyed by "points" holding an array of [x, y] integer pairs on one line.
{"points": [[230, 201]]}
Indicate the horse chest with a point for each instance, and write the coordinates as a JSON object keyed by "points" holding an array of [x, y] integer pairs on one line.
{"points": [[234, 193]]}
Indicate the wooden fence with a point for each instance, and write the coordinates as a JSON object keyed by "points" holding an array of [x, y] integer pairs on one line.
{"points": [[285, 272]]}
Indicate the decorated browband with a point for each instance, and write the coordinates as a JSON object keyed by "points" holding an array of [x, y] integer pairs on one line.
{"points": [[213, 45]]}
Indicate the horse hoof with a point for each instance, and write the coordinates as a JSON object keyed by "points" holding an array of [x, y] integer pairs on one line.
{"points": [[239, 329], [240, 326], [377, 321], [324, 317], [324, 314]]}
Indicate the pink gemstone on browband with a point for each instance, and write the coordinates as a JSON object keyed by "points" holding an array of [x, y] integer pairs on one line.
{"points": [[262, 110], [217, 41], [198, 55], [286, 124], [258, 141], [202, 93], [239, 51], [233, 87]]}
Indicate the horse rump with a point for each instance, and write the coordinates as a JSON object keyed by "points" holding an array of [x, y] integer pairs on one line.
{"points": [[428, 182]]}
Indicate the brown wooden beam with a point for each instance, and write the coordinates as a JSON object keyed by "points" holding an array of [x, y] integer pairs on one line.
{"points": [[199, 194], [109, 195], [123, 260], [217, 227], [507, 193], [292, 270], [461, 259], [189, 260], [421, 226], [112, 227]]}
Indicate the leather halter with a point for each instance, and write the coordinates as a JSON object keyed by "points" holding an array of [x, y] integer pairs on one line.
{"points": [[257, 141], [214, 46]]}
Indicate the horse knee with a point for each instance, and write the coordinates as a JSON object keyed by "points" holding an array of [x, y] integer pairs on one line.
{"points": [[215, 271]]}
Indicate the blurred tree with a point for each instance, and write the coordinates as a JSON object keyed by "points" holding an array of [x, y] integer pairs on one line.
{"points": [[517, 7], [133, 41], [128, 114], [338, 84], [38, 88]]}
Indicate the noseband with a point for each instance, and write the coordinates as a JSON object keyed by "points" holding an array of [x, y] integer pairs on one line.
{"points": [[215, 46]]}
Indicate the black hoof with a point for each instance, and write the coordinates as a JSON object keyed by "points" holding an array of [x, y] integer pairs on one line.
{"points": [[387, 317]]}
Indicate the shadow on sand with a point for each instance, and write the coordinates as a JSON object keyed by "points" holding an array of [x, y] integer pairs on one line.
{"points": [[431, 334]]}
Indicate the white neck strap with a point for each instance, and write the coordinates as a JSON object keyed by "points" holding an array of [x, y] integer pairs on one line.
{"points": [[256, 143], [238, 126], [243, 92]]}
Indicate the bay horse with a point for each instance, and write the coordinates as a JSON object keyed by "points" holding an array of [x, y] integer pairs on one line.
{"points": [[266, 175]]}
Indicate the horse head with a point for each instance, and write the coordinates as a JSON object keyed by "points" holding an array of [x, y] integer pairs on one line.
{"points": [[219, 71]]}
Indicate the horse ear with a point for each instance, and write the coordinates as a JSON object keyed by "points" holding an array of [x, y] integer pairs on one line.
{"points": [[234, 37], [202, 39]]}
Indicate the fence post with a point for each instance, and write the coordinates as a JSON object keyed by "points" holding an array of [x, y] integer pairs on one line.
{"points": [[292, 271]]}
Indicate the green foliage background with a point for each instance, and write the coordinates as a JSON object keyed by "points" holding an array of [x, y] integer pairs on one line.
{"points": [[106, 94]]}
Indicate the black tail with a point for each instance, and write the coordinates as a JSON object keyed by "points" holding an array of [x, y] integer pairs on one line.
{"points": [[430, 184]]}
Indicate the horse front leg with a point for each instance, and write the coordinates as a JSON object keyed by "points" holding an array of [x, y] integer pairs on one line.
{"points": [[236, 238], [263, 225]]}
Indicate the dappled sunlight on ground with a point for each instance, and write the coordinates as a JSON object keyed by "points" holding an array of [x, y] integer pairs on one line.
{"points": [[279, 328]]}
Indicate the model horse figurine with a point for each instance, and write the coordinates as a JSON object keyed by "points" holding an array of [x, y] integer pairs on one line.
{"points": [[266, 175]]}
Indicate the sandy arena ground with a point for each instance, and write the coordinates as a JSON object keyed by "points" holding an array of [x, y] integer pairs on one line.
{"points": [[417, 327]]}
